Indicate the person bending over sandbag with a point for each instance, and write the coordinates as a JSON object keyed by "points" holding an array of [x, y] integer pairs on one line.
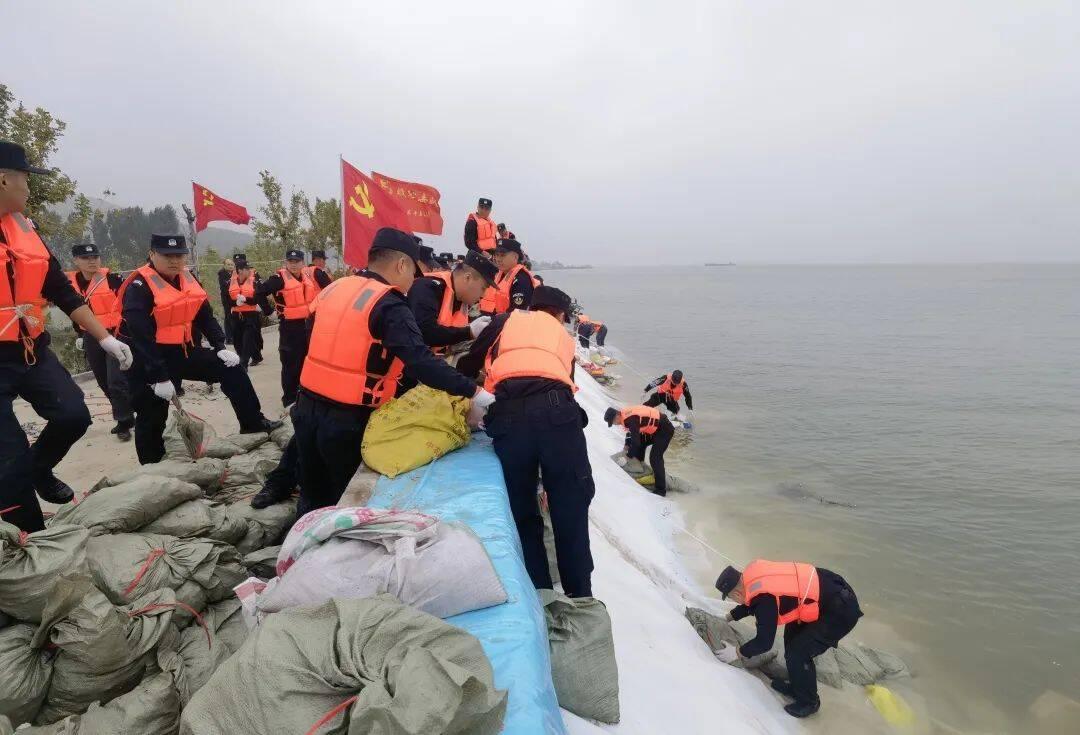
{"points": [[645, 427], [816, 606]]}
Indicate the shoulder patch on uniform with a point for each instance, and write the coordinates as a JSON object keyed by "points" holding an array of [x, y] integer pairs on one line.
{"points": [[137, 282], [519, 299]]}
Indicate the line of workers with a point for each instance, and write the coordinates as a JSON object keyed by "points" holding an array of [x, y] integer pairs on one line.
{"points": [[400, 311]]}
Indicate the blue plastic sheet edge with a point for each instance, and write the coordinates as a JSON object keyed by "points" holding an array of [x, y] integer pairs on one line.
{"points": [[467, 486]]}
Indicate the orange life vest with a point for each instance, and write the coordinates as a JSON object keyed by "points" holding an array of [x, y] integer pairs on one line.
{"points": [[650, 418], [487, 234], [670, 388], [309, 271], [532, 344], [296, 295], [247, 288], [787, 578], [22, 313], [504, 282], [174, 308], [345, 363], [448, 315], [99, 297]]}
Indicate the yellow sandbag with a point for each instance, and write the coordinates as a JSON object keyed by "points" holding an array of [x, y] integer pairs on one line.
{"points": [[421, 426], [893, 709], [647, 480]]}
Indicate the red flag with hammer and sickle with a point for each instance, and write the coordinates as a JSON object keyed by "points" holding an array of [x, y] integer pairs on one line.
{"points": [[209, 207], [420, 202], [364, 209]]}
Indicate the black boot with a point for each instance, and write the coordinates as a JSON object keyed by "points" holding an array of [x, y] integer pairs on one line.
{"points": [[803, 709], [54, 490], [270, 495], [266, 425], [784, 687], [123, 430]]}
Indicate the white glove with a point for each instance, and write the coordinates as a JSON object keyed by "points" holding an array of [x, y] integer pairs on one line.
{"points": [[727, 653], [78, 343], [241, 300], [119, 350], [478, 408], [483, 399], [165, 390], [230, 358], [477, 325]]}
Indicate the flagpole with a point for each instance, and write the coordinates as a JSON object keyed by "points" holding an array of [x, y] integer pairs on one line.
{"points": [[190, 215], [341, 242]]}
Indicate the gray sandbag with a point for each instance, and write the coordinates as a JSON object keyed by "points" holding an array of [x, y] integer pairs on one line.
{"points": [[410, 674], [199, 518], [247, 469], [207, 473], [282, 435], [202, 648], [6, 620], [30, 563], [263, 562], [151, 708], [224, 447], [186, 436], [127, 506], [266, 526], [583, 666], [24, 674], [5, 726], [127, 565], [236, 493], [103, 651]]}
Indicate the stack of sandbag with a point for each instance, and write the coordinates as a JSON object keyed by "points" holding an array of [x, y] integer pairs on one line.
{"points": [[31, 563], [208, 473], [202, 647], [357, 666], [583, 666], [411, 431], [126, 507], [151, 708], [25, 673], [348, 553], [852, 663]]}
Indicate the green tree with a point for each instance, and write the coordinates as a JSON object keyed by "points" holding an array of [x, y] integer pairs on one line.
{"points": [[39, 133], [280, 222], [324, 225]]}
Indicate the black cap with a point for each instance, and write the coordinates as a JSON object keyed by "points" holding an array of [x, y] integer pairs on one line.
{"points": [[728, 580], [169, 244], [610, 415], [483, 202], [676, 375], [448, 257], [509, 246], [482, 265], [13, 157], [551, 296], [240, 260], [294, 255], [427, 255], [318, 254], [502, 225], [387, 238], [85, 250]]}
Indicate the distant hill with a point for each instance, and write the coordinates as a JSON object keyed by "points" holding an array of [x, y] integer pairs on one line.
{"points": [[66, 208], [223, 241]]}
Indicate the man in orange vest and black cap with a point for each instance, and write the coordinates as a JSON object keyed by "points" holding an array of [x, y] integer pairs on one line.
{"points": [[293, 291], [816, 606], [480, 232], [669, 389], [98, 288], [440, 302], [29, 278], [244, 306], [514, 285], [645, 427], [537, 426], [363, 338], [317, 270], [161, 305]]}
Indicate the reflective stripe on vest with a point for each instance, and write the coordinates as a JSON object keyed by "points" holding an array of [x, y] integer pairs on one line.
{"points": [[345, 363], [174, 308], [670, 388], [649, 417], [99, 297], [532, 344], [296, 295], [24, 263], [486, 232], [448, 315], [787, 578], [247, 288]]}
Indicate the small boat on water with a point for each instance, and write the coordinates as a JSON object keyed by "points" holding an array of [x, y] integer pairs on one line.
{"points": [[709, 265]]}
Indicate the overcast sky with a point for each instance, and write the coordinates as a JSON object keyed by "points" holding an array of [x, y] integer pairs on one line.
{"points": [[651, 132]]}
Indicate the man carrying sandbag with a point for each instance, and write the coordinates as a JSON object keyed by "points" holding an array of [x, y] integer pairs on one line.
{"points": [[537, 426], [440, 302]]}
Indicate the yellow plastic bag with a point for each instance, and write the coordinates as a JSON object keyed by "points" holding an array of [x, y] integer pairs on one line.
{"points": [[892, 708], [411, 431]]}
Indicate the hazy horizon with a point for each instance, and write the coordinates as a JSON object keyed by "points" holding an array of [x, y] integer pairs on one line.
{"points": [[910, 132]]}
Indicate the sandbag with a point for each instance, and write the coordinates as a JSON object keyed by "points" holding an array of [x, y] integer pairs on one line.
{"points": [[202, 648], [199, 518], [262, 562], [223, 447], [207, 473], [151, 708], [103, 651], [265, 526], [24, 674], [186, 436], [30, 563], [440, 568], [365, 665], [282, 435], [411, 431], [127, 506], [247, 469], [583, 666], [127, 565]]}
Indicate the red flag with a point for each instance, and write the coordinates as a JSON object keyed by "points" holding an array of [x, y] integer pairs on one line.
{"points": [[364, 209], [420, 202], [209, 207]]}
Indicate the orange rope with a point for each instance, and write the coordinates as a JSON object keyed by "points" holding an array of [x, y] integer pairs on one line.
{"points": [[332, 714], [153, 556], [189, 608]]}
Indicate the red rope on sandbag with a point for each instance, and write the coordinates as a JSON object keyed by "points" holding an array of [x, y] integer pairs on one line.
{"points": [[332, 714], [189, 608], [153, 556], [8, 510]]}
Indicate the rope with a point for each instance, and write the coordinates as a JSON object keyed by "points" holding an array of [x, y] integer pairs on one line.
{"points": [[185, 606], [153, 556], [332, 714], [714, 550]]}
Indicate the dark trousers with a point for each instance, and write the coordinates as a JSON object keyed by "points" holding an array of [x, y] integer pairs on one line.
{"points": [[544, 433], [247, 336], [55, 397], [111, 379], [292, 349], [804, 641], [200, 364], [583, 340], [328, 440], [227, 321], [601, 335], [658, 444], [669, 403], [284, 478]]}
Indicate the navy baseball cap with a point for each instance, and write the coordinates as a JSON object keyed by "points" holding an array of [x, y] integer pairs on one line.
{"points": [[318, 254], [728, 580], [484, 202], [294, 255], [169, 244], [86, 250], [388, 238], [551, 296], [482, 265], [13, 157], [508, 246]]}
